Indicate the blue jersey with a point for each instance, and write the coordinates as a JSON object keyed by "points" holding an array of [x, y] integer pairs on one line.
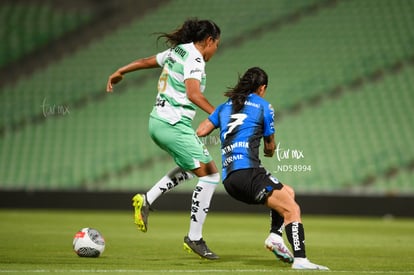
{"points": [[241, 132]]}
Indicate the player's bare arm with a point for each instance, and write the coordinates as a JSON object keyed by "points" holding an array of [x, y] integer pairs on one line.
{"points": [[269, 146], [143, 63], [195, 95], [205, 128]]}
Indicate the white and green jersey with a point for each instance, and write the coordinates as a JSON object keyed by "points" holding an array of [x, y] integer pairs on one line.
{"points": [[179, 63]]}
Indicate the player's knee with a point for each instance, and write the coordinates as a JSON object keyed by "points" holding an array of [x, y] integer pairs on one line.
{"points": [[289, 190]]}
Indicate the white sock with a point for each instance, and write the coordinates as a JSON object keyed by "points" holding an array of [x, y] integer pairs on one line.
{"points": [[202, 195], [168, 182]]}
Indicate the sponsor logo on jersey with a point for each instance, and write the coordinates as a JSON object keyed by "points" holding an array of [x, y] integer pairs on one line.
{"points": [[239, 144], [230, 159], [195, 71], [180, 51], [249, 103]]}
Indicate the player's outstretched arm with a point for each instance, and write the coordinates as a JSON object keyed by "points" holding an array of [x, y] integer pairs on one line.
{"points": [[118, 75]]}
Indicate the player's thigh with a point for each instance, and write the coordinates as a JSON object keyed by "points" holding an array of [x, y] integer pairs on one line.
{"points": [[181, 142]]}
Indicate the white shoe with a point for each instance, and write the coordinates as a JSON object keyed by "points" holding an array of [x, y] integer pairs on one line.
{"points": [[276, 245], [304, 263]]}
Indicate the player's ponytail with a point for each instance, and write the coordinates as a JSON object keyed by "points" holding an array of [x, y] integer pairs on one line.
{"points": [[252, 79], [193, 30]]}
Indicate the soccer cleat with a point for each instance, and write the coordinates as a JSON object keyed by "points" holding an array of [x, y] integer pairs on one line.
{"points": [[141, 206], [304, 263], [200, 248], [275, 244]]}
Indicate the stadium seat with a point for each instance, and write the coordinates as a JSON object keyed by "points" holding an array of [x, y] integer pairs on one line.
{"points": [[340, 80]]}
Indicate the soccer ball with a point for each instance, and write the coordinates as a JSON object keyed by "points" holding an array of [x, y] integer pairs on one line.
{"points": [[88, 242]]}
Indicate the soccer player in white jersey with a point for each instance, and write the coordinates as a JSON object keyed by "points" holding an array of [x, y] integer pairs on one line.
{"points": [[180, 92]]}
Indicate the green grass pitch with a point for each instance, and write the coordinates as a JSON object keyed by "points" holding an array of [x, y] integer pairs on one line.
{"points": [[40, 241]]}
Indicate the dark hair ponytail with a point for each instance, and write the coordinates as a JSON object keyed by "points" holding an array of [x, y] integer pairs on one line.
{"points": [[193, 30], [252, 79]]}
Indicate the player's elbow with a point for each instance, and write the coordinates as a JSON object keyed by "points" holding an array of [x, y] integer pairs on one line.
{"points": [[194, 96]]}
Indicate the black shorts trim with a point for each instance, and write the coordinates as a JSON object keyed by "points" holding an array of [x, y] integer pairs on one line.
{"points": [[252, 185]]}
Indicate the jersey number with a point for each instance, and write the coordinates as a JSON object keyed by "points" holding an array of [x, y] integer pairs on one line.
{"points": [[162, 82], [237, 119]]}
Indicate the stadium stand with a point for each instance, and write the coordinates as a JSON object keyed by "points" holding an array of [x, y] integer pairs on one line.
{"points": [[28, 26], [341, 78]]}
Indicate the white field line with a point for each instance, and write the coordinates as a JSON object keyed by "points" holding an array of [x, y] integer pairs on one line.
{"points": [[194, 271]]}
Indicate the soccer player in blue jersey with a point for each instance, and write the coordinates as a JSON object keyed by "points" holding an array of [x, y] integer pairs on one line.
{"points": [[244, 119]]}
